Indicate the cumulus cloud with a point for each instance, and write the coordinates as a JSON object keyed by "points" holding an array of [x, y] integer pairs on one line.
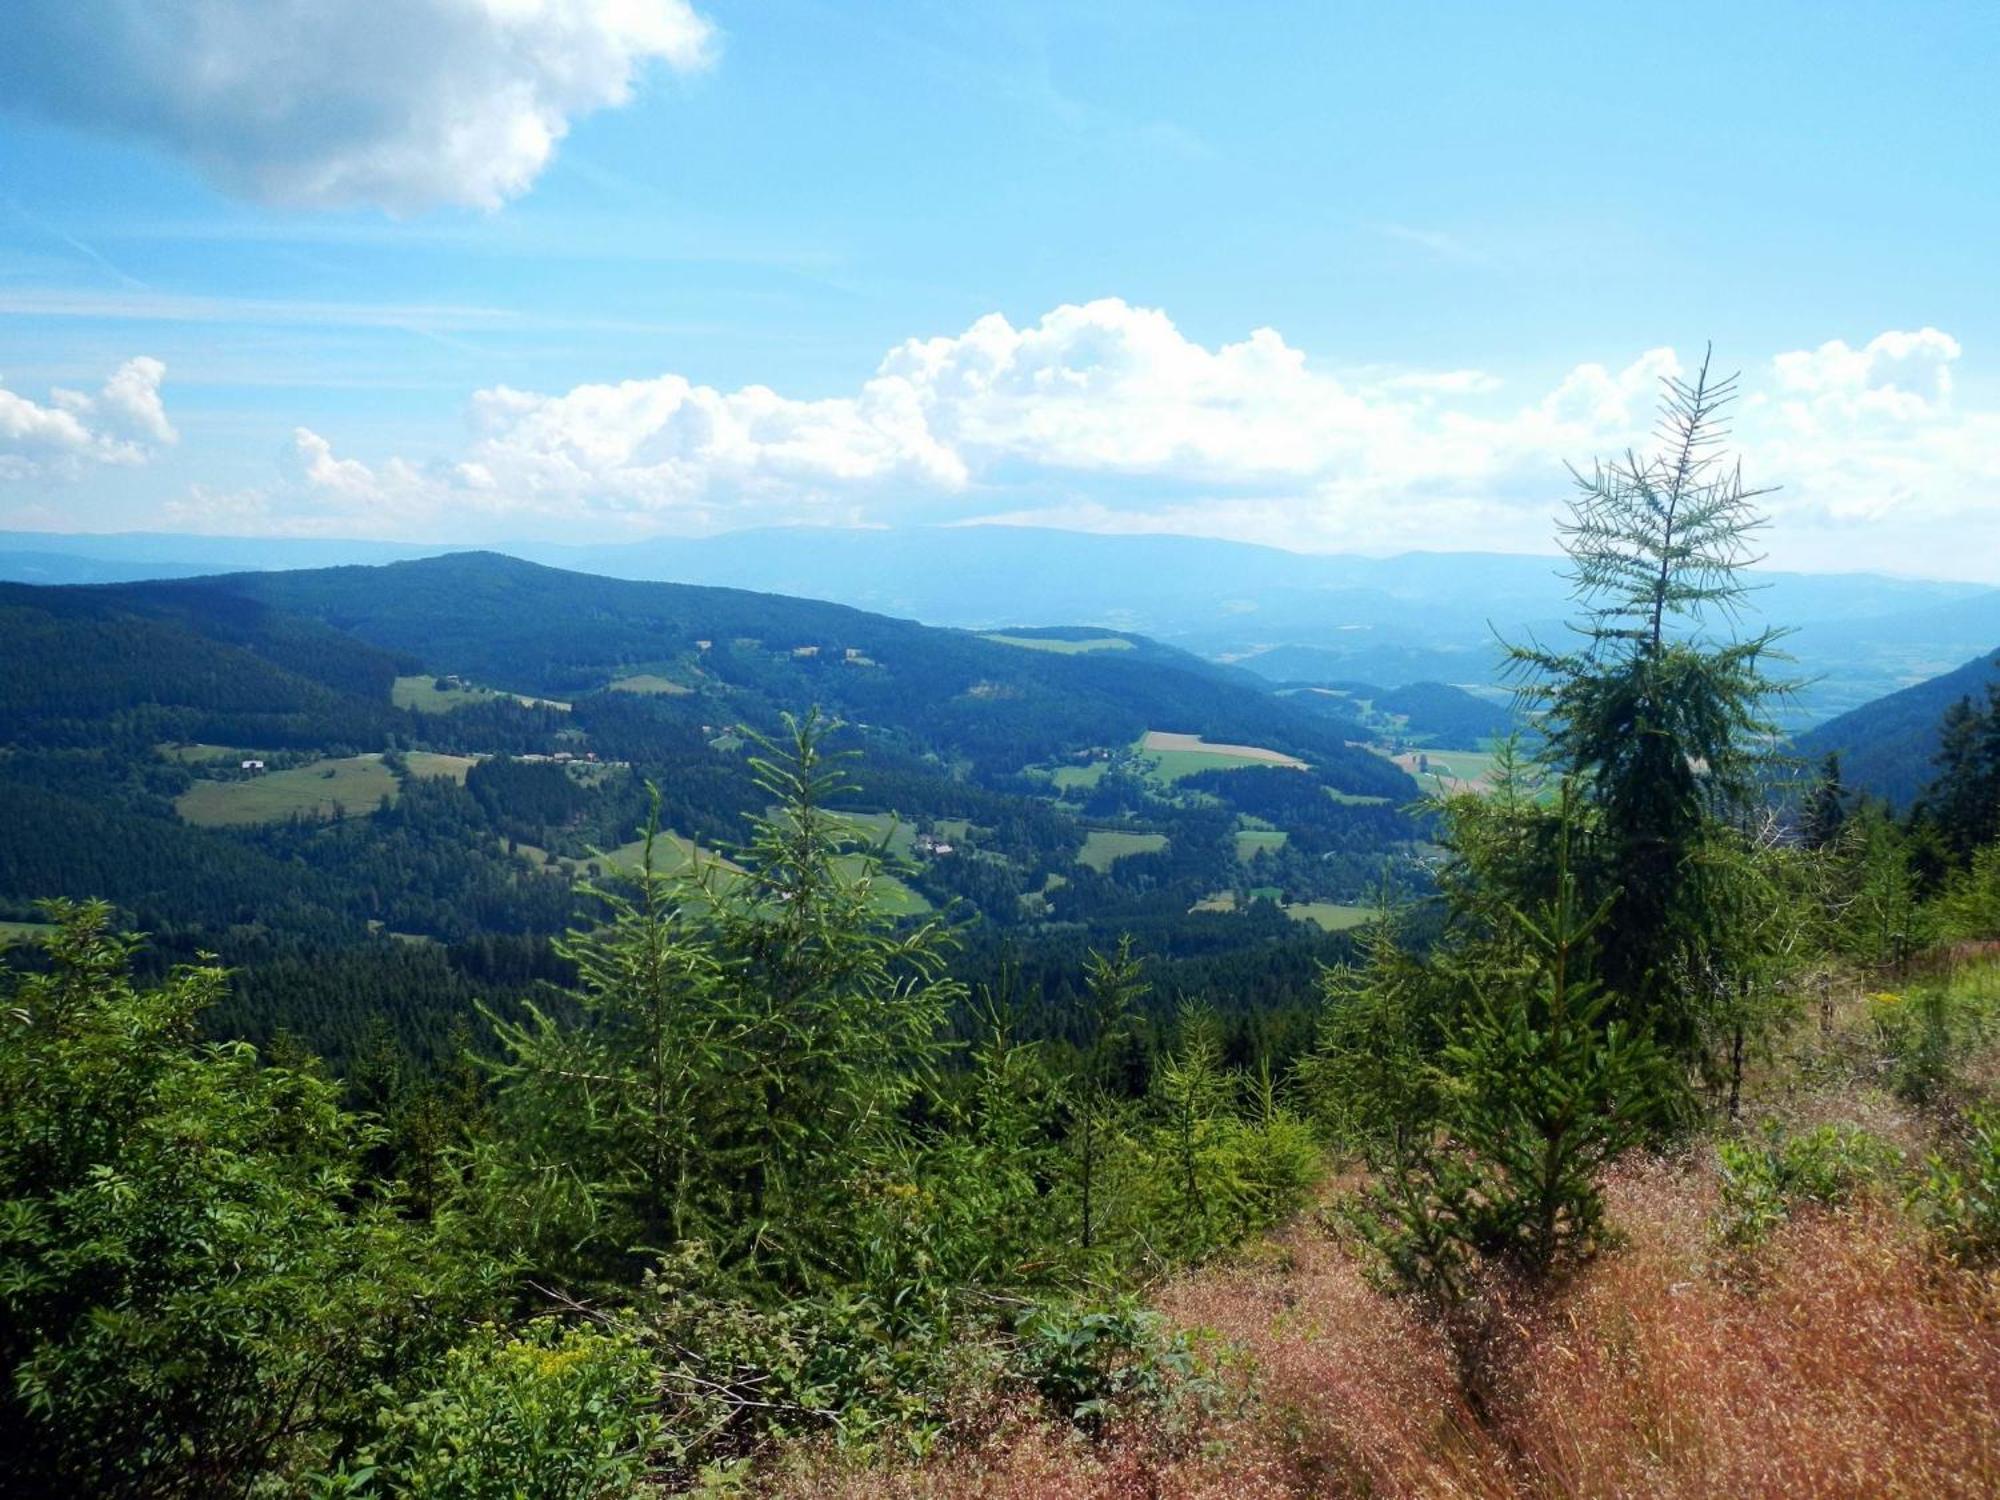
{"points": [[125, 422], [1106, 416], [328, 103]]}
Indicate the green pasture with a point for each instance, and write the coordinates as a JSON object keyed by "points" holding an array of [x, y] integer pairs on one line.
{"points": [[1060, 646], [1331, 916], [1168, 757], [1085, 776], [424, 695], [1251, 842], [1104, 847], [649, 684], [431, 763], [23, 932], [349, 787]]}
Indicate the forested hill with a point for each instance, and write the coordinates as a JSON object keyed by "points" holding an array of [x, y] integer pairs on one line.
{"points": [[1001, 703], [376, 791], [1889, 747]]}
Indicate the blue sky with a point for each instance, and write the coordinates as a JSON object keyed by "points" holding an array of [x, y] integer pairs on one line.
{"points": [[458, 270]]}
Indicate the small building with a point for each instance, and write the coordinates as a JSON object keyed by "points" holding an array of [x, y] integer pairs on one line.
{"points": [[806, 651], [254, 767]]}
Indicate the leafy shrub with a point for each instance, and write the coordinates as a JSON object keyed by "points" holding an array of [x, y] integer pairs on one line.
{"points": [[197, 1285], [1827, 1166], [1091, 1362], [556, 1413], [1960, 1200]]}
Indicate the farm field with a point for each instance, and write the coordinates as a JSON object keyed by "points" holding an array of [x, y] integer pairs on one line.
{"points": [[21, 932], [1251, 842], [1103, 847], [649, 684], [1062, 647], [201, 755], [1328, 916], [423, 694], [900, 833], [352, 786], [1459, 770], [431, 763], [673, 854], [1172, 756], [1331, 916], [1085, 776]]}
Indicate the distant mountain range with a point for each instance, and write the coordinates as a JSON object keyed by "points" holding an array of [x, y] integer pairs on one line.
{"points": [[1419, 617]]}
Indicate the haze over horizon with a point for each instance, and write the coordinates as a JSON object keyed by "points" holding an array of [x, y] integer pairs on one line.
{"points": [[1325, 281]]}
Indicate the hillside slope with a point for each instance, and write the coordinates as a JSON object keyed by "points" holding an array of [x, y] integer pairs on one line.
{"points": [[1001, 706], [1888, 747]]}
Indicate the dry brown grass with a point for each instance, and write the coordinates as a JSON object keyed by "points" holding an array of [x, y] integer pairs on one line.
{"points": [[1842, 1360]]}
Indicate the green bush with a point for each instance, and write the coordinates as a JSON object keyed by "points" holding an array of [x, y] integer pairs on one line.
{"points": [[1959, 1199], [197, 1284], [1828, 1166], [550, 1412], [1091, 1362]]}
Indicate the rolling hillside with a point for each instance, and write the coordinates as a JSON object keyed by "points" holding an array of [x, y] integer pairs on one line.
{"points": [[1887, 747], [998, 704]]}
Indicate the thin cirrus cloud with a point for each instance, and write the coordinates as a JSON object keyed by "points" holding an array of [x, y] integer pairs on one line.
{"points": [[332, 103], [123, 423], [1105, 416]]}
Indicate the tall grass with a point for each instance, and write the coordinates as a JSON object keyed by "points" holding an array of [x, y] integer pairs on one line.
{"points": [[1842, 1358]]}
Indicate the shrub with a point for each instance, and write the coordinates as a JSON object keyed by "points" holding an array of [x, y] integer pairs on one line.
{"points": [[1827, 1166], [1960, 1200], [1091, 1362], [556, 1413]]}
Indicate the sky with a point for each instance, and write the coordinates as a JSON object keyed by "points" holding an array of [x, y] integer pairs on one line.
{"points": [[1333, 277]]}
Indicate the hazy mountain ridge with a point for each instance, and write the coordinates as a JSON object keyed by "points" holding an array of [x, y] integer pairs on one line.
{"points": [[1393, 621]]}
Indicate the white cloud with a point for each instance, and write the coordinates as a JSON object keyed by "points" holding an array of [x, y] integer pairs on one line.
{"points": [[329, 103], [1106, 416], [124, 423]]}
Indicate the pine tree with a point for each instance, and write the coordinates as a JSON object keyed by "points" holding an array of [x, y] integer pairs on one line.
{"points": [[1115, 984], [1963, 803], [1826, 806], [1662, 726]]}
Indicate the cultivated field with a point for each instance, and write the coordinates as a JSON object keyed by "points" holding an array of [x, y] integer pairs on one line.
{"points": [[1251, 842], [200, 755], [1172, 756], [1328, 916], [354, 786], [1331, 916], [672, 854], [1062, 647], [649, 684], [430, 763], [1104, 847], [424, 695], [1458, 770], [1085, 776]]}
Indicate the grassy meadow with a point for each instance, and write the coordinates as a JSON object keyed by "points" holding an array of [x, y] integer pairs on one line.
{"points": [[649, 684], [1169, 756], [1104, 847], [424, 695], [349, 787], [1061, 646], [1251, 842]]}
